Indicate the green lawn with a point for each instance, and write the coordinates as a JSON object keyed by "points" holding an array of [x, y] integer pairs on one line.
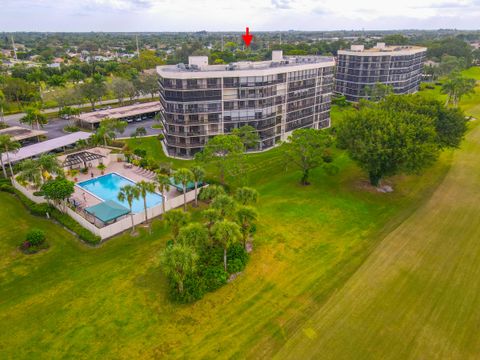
{"points": [[316, 247], [417, 295], [73, 301]]}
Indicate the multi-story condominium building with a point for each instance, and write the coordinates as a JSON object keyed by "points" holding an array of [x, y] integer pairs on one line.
{"points": [[397, 66], [275, 97]]}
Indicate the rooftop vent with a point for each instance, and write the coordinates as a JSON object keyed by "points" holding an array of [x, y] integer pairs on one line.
{"points": [[277, 55]]}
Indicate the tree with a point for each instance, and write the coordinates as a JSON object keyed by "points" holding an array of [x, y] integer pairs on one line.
{"points": [[457, 86], [3, 102], [94, 90], [108, 130], [57, 80], [224, 204], [30, 171], [211, 192], [211, 216], [175, 220], [49, 164], [7, 146], [121, 88], [225, 152], [194, 234], [145, 187], [178, 262], [147, 84], [58, 190], [385, 142], [183, 176], [246, 196], [163, 183], [305, 149], [246, 217], [198, 175], [378, 91], [129, 193], [450, 123], [226, 233], [139, 131], [34, 117], [248, 135], [75, 75]]}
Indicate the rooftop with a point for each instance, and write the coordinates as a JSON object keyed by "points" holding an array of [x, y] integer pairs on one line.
{"points": [[45, 146], [19, 133], [120, 112], [381, 48], [199, 64]]}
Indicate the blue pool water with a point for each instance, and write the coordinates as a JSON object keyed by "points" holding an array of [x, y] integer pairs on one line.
{"points": [[107, 187]]}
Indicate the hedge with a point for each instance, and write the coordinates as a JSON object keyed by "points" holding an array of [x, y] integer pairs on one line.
{"points": [[64, 219]]}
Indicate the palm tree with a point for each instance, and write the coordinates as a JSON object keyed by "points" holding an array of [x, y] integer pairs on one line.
{"points": [[33, 116], [224, 204], [211, 192], [183, 176], [246, 216], [211, 216], [163, 185], [194, 234], [178, 262], [226, 233], [108, 130], [175, 219], [129, 193], [30, 171], [457, 86], [145, 187], [246, 196], [198, 175], [7, 146], [49, 164]]}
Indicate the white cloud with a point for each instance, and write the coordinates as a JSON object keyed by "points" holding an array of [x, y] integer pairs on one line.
{"points": [[188, 15]]}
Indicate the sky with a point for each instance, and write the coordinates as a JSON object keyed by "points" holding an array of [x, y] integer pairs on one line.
{"points": [[227, 15]]}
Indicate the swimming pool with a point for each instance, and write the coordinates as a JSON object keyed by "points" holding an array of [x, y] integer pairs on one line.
{"points": [[107, 187]]}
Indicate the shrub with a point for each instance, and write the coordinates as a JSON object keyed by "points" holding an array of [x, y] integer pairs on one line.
{"points": [[38, 193], [35, 237], [327, 156], [64, 219], [160, 137], [193, 289], [71, 128], [238, 256], [7, 188], [69, 223], [140, 152], [214, 277], [235, 266]]}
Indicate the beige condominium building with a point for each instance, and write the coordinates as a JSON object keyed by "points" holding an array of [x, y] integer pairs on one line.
{"points": [[275, 97], [397, 66]]}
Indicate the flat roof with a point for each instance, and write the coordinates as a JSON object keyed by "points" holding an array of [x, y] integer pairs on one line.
{"points": [[20, 133], [45, 146], [107, 211], [246, 68], [120, 112], [386, 50]]}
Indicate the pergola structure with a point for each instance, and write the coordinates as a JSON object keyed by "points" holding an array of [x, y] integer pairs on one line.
{"points": [[82, 157]]}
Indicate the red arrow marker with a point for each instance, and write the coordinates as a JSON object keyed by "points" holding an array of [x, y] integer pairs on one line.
{"points": [[247, 37]]}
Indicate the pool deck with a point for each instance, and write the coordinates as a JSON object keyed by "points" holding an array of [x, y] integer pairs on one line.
{"points": [[133, 174]]}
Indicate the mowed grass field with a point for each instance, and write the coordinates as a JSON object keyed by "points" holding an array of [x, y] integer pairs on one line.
{"points": [[417, 295], [318, 249]]}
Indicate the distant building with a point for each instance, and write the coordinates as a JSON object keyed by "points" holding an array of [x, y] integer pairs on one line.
{"points": [[397, 66], [275, 97]]}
